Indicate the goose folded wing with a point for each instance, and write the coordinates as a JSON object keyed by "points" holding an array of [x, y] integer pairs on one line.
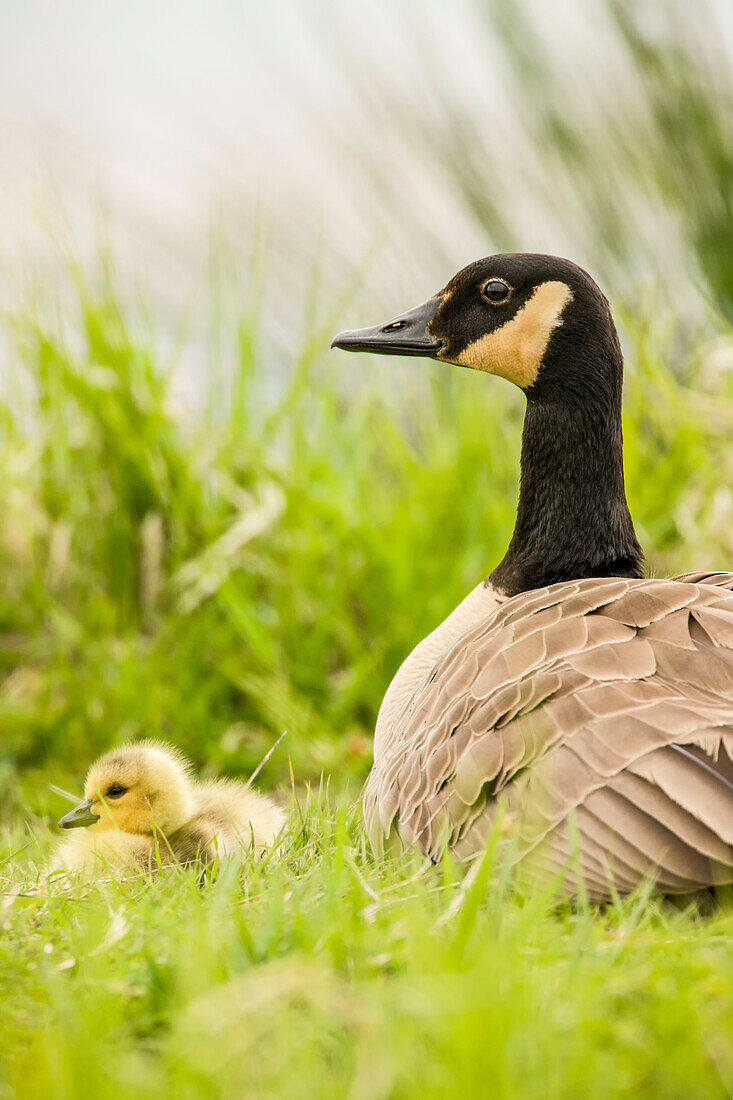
{"points": [[608, 726]]}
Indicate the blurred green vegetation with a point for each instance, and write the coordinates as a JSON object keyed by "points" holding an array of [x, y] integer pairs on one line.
{"points": [[268, 565], [264, 568]]}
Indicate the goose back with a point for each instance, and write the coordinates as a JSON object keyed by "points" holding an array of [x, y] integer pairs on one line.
{"points": [[598, 714]]}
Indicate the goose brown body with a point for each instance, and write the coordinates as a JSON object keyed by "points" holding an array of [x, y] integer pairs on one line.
{"points": [[575, 699], [610, 700]]}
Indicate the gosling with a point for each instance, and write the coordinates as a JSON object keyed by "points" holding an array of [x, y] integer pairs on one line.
{"points": [[144, 809]]}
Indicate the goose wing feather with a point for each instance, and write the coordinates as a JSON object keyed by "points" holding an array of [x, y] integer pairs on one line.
{"points": [[597, 713]]}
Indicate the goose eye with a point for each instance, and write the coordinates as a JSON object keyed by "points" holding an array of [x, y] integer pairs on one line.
{"points": [[116, 791], [496, 292]]}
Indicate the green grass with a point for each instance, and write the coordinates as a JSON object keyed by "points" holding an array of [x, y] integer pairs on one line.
{"points": [[265, 565], [323, 974]]}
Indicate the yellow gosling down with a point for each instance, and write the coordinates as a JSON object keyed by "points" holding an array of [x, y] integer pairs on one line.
{"points": [[143, 808]]}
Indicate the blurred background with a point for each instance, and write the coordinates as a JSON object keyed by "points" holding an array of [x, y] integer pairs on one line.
{"points": [[214, 529]]}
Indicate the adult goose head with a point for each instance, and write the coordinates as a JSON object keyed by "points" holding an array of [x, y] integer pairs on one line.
{"points": [[585, 700], [543, 324]]}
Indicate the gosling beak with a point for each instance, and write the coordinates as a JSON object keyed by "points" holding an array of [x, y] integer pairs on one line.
{"points": [[80, 816], [406, 335]]}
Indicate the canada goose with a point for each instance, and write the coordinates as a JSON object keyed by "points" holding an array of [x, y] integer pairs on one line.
{"points": [[587, 701], [143, 808]]}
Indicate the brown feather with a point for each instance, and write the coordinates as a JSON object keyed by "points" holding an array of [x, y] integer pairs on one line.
{"points": [[567, 703]]}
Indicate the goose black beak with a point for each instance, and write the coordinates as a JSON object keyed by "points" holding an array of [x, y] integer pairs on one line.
{"points": [[80, 816], [405, 335]]}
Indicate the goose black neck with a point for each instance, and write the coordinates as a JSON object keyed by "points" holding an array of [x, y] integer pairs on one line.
{"points": [[572, 518]]}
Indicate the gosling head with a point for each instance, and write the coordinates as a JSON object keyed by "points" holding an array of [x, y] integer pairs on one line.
{"points": [[525, 317], [140, 788]]}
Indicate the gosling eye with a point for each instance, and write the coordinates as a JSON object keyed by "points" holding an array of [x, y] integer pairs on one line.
{"points": [[496, 291], [116, 791]]}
